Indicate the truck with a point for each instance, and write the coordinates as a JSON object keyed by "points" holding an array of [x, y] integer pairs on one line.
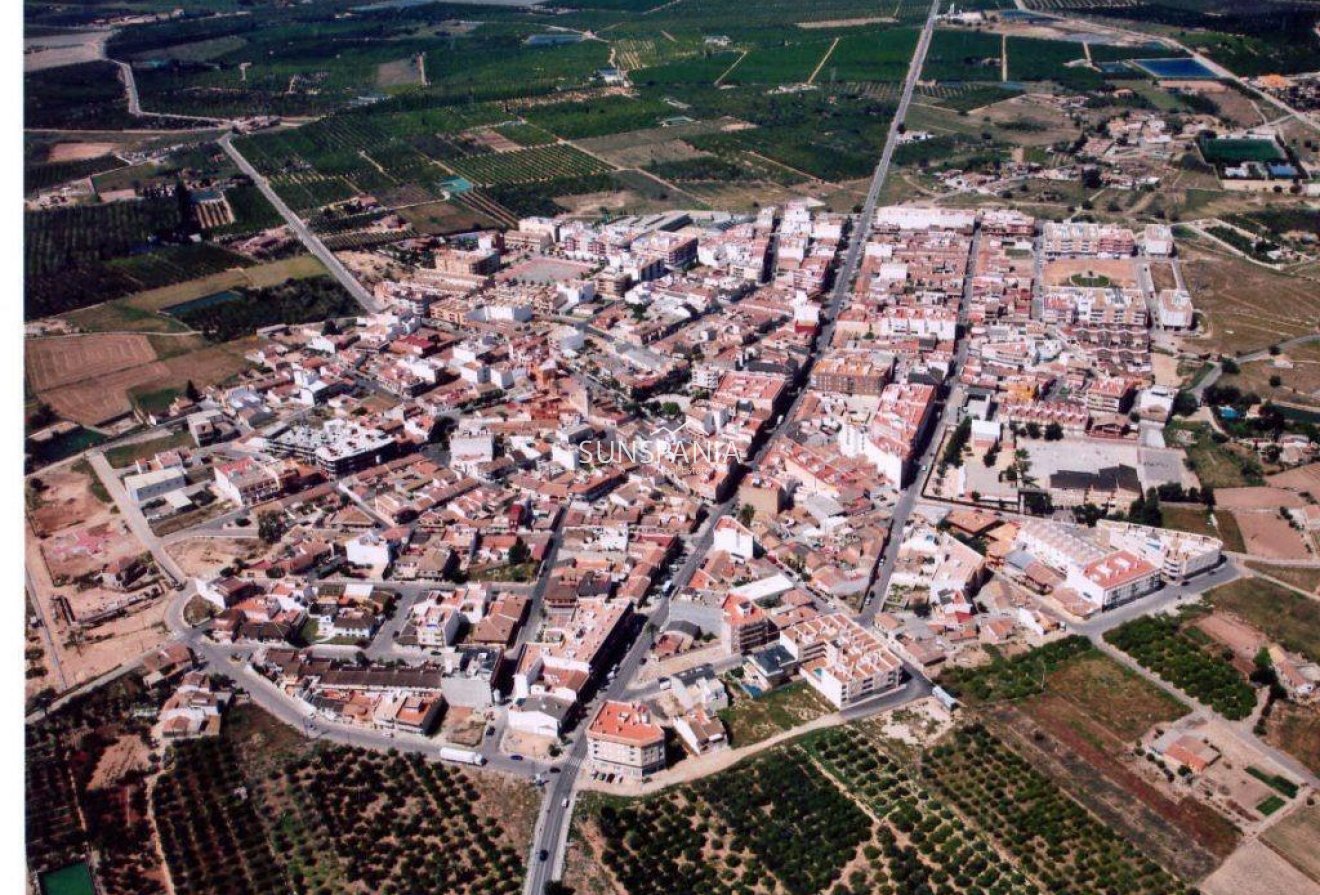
{"points": [[462, 756]]}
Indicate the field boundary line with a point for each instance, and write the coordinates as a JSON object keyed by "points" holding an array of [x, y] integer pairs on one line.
{"points": [[730, 69], [823, 60]]}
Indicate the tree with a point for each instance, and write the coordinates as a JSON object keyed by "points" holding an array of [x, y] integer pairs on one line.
{"points": [[191, 393], [270, 526], [1276, 380], [519, 553], [746, 513], [1054, 432]]}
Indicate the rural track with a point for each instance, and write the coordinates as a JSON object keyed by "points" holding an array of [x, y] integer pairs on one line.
{"points": [[309, 239]]}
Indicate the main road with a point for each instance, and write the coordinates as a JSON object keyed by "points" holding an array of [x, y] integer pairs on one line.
{"points": [[301, 230], [907, 500], [551, 832]]}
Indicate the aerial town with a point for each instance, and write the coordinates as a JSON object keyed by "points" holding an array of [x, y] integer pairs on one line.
{"points": [[952, 539]]}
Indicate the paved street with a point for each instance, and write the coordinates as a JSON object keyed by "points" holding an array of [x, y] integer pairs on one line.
{"points": [[552, 825], [921, 465]]}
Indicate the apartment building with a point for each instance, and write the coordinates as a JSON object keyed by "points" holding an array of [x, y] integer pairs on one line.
{"points": [[248, 482], [1117, 578], [624, 739], [745, 626], [842, 660], [1177, 554], [1081, 239]]}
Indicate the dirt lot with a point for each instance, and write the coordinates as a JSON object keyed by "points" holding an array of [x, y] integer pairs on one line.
{"points": [[1305, 479], [1284, 615], [1296, 730], [1295, 837], [1307, 579], [1255, 869], [1267, 535], [66, 500], [1298, 372], [96, 401], [399, 73], [90, 378], [128, 753], [62, 360], [1248, 306], [660, 151], [78, 152], [87, 378], [1118, 271], [1257, 498], [205, 557]]}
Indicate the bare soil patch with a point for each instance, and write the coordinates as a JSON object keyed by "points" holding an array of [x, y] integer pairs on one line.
{"points": [[93, 402], [1295, 837], [1305, 479], [1255, 869], [846, 23], [79, 152], [1266, 534], [1120, 272], [1257, 498], [62, 360], [1296, 730]]}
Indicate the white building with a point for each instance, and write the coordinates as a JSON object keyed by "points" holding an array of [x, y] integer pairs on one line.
{"points": [[1118, 578], [1177, 554], [842, 660], [734, 539]]}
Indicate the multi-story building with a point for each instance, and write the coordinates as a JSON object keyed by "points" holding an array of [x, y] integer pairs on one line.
{"points": [[745, 627], [624, 739], [338, 448], [842, 660], [1177, 554], [248, 482], [1117, 578]]}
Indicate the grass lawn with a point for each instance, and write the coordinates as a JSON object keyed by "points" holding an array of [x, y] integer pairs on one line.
{"points": [[1306, 579], [127, 454], [1283, 615], [752, 720]]}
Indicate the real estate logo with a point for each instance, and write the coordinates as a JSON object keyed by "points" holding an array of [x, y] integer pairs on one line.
{"points": [[668, 446]]}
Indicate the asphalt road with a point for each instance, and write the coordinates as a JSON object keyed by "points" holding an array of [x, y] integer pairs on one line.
{"points": [[552, 825], [908, 498], [301, 230]]}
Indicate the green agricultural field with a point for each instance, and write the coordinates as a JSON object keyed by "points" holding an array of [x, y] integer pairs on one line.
{"points": [[595, 118], [528, 165], [1160, 645], [960, 55]]}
